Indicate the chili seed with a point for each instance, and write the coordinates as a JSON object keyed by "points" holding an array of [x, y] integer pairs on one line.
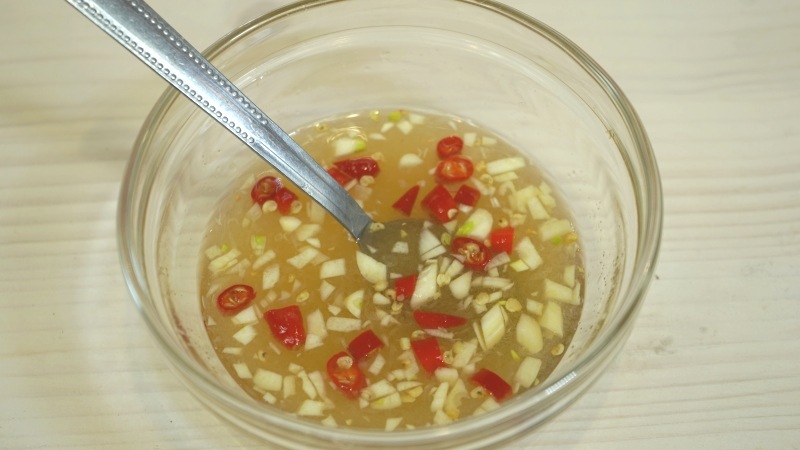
{"points": [[513, 305], [397, 307], [418, 334], [446, 239], [345, 362], [478, 392], [269, 206], [447, 357]]}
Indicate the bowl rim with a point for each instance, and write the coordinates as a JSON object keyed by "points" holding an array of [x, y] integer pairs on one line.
{"points": [[607, 342]]}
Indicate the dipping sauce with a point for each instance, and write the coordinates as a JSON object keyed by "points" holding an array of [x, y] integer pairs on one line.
{"points": [[306, 323]]}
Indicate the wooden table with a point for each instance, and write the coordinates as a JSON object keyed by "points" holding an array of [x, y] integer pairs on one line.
{"points": [[714, 361]]}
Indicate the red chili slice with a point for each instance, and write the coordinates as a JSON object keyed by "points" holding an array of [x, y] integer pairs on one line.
{"points": [[440, 204], [467, 195], [358, 167], [427, 319], [404, 287], [340, 177], [455, 168], [265, 189], [502, 240], [285, 198], [345, 374], [449, 146], [286, 325], [235, 298], [364, 344], [493, 383], [475, 254], [428, 354], [406, 201]]}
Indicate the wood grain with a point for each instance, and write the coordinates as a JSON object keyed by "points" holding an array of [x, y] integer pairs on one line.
{"points": [[712, 362]]}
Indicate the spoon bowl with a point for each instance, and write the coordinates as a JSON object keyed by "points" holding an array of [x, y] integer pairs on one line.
{"points": [[143, 32]]}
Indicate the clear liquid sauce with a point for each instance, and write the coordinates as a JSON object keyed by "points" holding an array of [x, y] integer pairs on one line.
{"points": [[282, 257]]}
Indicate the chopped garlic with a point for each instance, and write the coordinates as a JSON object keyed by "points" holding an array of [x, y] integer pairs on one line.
{"points": [[529, 334], [536, 209], [311, 408], [267, 380], [355, 302], [439, 396], [409, 160], [343, 324], [246, 334], [224, 262], [389, 402], [245, 316], [557, 291], [463, 353], [270, 277], [371, 269], [493, 326], [332, 268], [315, 323], [242, 371], [554, 228], [569, 275], [377, 364], [329, 422], [426, 287], [528, 254], [478, 225], [503, 165], [392, 423], [552, 319], [306, 255], [534, 307], [400, 247], [347, 145], [289, 223], [307, 231], [405, 126], [266, 257]]}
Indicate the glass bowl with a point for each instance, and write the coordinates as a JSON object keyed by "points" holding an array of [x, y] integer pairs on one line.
{"points": [[476, 59]]}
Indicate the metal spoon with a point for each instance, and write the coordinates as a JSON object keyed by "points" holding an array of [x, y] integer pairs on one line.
{"points": [[149, 37]]}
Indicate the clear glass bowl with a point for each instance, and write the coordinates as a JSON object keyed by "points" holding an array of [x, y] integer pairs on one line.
{"points": [[475, 59]]}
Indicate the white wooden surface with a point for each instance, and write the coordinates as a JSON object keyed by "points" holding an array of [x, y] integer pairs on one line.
{"points": [[714, 361]]}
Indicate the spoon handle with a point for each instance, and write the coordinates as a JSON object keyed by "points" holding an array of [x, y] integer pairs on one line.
{"points": [[144, 33]]}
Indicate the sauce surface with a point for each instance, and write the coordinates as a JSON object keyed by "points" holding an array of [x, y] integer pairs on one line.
{"points": [[306, 323]]}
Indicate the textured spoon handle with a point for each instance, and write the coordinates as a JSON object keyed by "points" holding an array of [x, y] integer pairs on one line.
{"points": [[144, 33]]}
